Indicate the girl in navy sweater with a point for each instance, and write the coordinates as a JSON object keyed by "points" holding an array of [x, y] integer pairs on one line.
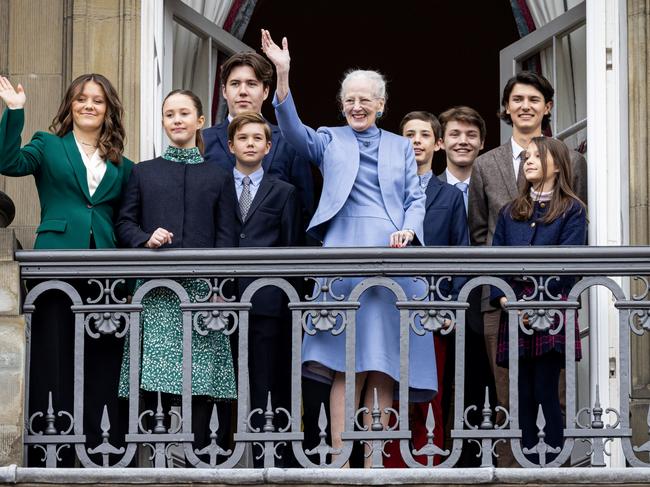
{"points": [[546, 212]]}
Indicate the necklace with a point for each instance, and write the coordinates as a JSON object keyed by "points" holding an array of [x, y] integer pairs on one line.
{"points": [[87, 144]]}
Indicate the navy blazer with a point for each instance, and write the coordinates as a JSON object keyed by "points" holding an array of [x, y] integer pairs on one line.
{"points": [[193, 201], [568, 229], [282, 161], [272, 221], [445, 220]]}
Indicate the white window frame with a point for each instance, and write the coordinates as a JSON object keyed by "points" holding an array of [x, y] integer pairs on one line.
{"points": [[156, 65], [608, 165], [511, 58]]}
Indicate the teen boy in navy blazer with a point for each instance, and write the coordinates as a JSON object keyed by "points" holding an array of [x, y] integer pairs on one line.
{"points": [[445, 224], [268, 215]]}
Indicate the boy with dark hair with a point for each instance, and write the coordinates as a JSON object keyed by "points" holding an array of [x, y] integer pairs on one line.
{"points": [[463, 135], [267, 216], [246, 81], [445, 224]]}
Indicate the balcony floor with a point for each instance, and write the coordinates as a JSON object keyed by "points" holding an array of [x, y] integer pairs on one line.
{"points": [[318, 477]]}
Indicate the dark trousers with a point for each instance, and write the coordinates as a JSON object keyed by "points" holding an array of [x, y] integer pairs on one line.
{"points": [[269, 368], [539, 379], [201, 413], [52, 370]]}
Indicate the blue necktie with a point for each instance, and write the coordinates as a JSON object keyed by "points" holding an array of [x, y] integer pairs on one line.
{"points": [[463, 187]]}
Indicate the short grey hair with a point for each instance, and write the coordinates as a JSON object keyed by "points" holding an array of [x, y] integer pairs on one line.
{"points": [[373, 77]]}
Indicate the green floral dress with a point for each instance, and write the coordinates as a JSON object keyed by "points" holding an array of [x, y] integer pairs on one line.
{"points": [[162, 336]]}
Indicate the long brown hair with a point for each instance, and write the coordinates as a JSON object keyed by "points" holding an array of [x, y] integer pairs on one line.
{"points": [[563, 196], [196, 101], [112, 135]]}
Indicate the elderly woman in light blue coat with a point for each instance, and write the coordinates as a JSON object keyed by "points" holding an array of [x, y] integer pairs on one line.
{"points": [[371, 197]]}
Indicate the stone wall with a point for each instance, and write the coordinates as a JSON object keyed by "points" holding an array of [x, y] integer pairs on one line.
{"points": [[45, 44], [639, 146], [12, 354]]}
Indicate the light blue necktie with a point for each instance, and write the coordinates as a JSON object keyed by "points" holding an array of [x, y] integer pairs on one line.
{"points": [[463, 187]]}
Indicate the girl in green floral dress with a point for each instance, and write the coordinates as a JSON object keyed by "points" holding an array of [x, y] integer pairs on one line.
{"points": [[179, 201]]}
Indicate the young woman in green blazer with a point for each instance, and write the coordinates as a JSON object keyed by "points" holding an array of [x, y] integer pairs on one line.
{"points": [[80, 173]]}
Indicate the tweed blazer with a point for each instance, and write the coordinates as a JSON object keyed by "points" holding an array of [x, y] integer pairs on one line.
{"points": [[494, 184], [69, 214], [336, 152]]}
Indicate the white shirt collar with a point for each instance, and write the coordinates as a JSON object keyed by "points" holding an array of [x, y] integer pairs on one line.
{"points": [[256, 177], [516, 149], [451, 179]]}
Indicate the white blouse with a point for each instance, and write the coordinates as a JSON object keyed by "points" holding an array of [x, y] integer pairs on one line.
{"points": [[95, 167]]}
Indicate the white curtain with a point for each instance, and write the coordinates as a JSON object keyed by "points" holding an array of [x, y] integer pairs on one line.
{"points": [[571, 84], [188, 48]]}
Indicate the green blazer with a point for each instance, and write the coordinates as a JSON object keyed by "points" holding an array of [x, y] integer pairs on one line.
{"points": [[69, 215]]}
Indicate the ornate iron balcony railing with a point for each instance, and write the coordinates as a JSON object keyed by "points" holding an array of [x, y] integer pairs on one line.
{"points": [[321, 310]]}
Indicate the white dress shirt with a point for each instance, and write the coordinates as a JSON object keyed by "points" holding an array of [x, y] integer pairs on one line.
{"points": [[451, 179], [95, 167], [516, 155]]}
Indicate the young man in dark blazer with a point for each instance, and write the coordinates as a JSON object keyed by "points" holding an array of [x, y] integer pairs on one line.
{"points": [[445, 224], [247, 79], [463, 136], [268, 215]]}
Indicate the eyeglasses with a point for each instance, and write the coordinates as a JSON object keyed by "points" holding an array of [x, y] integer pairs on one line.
{"points": [[364, 102]]}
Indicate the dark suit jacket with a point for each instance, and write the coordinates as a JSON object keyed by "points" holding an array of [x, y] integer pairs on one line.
{"points": [[568, 229], [282, 161], [445, 220], [193, 201], [69, 215], [494, 184], [273, 220]]}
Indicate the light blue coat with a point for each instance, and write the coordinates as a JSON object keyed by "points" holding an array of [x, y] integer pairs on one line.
{"points": [[336, 152], [364, 200]]}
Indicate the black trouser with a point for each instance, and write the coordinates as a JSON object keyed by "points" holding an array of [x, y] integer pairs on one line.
{"points": [[539, 379], [269, 368], [52, 370], [201, 413]]}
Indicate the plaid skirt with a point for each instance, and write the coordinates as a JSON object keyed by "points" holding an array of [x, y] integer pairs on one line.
{"points": [[540, 342]]}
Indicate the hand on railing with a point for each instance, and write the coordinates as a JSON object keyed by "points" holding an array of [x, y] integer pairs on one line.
{"points": [[401, 238], [159, 238]]}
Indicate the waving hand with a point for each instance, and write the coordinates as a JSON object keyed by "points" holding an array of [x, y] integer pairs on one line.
{"points": [[13, 98], [281, 59]]}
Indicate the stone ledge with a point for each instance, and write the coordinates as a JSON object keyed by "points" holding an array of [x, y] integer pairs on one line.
{"points": [[275, 476]]}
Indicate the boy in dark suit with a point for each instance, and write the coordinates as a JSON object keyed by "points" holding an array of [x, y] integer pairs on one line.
{"points": [[268, 215], [247, 78], [445, 224]]}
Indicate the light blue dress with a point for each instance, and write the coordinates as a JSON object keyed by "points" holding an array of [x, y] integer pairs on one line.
{"points": [[363, 221]]}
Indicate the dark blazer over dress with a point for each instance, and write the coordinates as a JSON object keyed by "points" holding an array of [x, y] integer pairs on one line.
{"points": [[193, 201], [568, 229]]}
